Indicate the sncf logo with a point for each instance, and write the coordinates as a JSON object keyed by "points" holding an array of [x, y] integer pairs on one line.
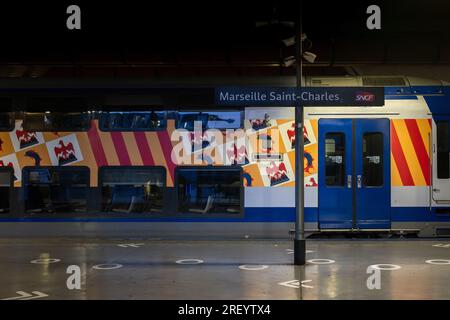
{"points": [[364, 96]]}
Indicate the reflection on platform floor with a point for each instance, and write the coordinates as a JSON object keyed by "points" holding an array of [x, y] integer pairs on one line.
{"points": [[247, 269]]}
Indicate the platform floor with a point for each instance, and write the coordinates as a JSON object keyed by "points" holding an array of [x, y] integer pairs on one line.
{"points": [[147, 269]]}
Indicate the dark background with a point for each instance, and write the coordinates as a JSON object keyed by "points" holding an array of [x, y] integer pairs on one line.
{"points": [[165, 38]]}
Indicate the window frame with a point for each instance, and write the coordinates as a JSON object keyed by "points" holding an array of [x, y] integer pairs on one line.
{"points": [[100, 180], [25, 183], [447, 121], [103, 115], [344, 158], [211, 168], [6, 104], [241, 112], [382, 159], [43, 129], [12, 122]]}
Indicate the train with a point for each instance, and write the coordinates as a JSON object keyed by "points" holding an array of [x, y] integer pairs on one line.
{"points": [[121, 165]]}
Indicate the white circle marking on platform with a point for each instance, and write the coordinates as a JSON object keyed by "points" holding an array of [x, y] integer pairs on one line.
{"points": [[442, 245], [385, 266], [107, 266], [189, 261], [45, 261], [438, 261], [321, 261], [253, 267]]}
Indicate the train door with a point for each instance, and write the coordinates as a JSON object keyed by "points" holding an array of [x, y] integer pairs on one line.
{"points": [[335, 174], [441, 158], [372, 173], [354, 174]]}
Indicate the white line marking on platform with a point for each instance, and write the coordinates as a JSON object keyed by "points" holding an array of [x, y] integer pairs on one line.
{"points": [[107, 266], [321, 261], [45, 261], [189, 261], [253, 267], [130, 245], [296, 284], [22, 295], [291, 251], [438, 261]]}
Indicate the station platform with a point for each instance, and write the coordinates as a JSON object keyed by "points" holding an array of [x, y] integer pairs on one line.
{"points": [[240, 269]]}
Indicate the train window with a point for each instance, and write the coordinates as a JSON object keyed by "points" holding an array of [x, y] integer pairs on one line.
{"points": [[443, 150], [335, 159], [6, 121], [132, 189], [133, 120], [56, 121], [5, 189], [55, 189], [221, 120], [209, 190], [372, 159]]}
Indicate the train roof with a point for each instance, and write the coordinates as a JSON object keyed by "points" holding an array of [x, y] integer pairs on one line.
{"points": [[208, 82], [371, 81], [186, 92]]}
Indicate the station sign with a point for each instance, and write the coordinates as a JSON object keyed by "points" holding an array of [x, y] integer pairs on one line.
{"points": [[292, 96]]}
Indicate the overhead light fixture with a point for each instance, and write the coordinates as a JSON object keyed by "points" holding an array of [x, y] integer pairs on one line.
{"points": [[309, 56]]}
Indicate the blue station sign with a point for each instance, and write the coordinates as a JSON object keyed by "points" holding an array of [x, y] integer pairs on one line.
{"points": [[292, 96]]}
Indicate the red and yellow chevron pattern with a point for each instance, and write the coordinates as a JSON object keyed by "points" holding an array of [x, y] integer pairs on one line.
{"points": [[130, 149], [410, 147]]}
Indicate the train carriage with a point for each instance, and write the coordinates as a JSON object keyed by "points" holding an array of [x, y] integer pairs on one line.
{"points": [[181, 170]]}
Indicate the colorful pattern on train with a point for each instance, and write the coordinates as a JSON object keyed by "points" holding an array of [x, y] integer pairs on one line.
{"points": [[410, 148], [97, 148]]}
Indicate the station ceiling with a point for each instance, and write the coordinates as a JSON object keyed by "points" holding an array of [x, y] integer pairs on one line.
{"points": [[186, 38]]}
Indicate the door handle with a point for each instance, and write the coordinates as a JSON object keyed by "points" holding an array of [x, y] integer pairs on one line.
{"points": [[436, 190], [358, 180], [349, 181]]}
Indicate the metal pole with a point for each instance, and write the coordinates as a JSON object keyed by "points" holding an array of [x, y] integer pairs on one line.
{"points": [[299, 240]]}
